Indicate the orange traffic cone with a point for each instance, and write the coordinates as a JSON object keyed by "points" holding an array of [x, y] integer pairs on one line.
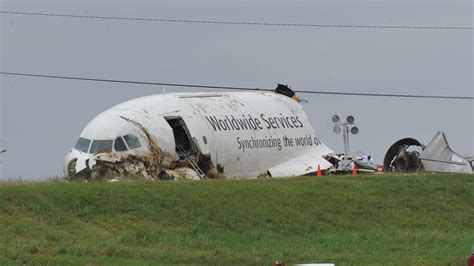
{"points": [[354, 170], [319, 171]]}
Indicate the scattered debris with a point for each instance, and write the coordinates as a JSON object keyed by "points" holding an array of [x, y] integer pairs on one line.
{"points": [[344, 164], [183, 173], [439, 157], [403, 155], [409, 155]]}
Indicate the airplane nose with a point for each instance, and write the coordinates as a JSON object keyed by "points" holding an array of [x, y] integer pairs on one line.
{"points": [[70, 168], [74, 163]]}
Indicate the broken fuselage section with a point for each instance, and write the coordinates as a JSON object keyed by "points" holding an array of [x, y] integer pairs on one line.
{"points": [[409, 155], [198, 135]]}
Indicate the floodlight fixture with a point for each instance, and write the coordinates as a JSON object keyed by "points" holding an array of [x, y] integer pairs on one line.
{"points": [[350, 119], [355, 130], [346, 127]]}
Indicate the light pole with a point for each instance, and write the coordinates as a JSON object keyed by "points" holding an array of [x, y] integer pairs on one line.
{"points": [[349, 125]]}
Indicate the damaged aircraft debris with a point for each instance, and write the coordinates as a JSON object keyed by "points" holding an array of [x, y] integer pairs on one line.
{"points": [[199, 135], [409, 155]]}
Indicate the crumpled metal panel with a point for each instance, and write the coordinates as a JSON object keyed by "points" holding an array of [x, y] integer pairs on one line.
{"points": [[439, 157], [305, 164]]}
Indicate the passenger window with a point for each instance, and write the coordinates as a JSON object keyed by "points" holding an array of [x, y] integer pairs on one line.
{"points": [[100, 146], [132, 141], [83, 144], [119, 145]]}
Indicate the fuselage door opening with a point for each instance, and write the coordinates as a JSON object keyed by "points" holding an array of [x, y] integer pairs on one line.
{"points": [[185, 146], [182, 137]]}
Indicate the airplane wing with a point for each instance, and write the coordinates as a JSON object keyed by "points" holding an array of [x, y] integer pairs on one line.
{"points": [[301, 165]]}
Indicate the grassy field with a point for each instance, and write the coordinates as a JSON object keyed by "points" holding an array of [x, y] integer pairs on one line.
{"points": [[373, 219]]}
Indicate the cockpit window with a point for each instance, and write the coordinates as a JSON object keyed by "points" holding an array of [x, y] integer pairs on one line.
{"points": [[83, 144], [132, 141], [99, 146], [119, 145]]}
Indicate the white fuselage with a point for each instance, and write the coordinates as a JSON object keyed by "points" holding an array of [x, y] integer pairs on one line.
{"points": [[245, 134]]}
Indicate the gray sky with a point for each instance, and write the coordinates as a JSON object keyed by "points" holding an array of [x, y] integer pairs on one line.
{"points": [[41, 118]]}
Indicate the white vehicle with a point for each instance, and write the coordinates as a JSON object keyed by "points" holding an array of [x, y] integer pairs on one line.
{"points": [[216, 134]]}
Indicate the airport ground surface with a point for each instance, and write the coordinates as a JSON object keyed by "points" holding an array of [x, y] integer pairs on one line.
{"points": [[372, 219]]}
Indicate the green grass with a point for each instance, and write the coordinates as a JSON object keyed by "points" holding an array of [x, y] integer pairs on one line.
{"points": [[373, 219]]}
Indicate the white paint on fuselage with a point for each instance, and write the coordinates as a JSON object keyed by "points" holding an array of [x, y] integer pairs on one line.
{"points": [[246, 133]]}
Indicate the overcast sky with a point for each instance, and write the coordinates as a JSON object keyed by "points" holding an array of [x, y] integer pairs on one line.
{"points": [[42, 118]]}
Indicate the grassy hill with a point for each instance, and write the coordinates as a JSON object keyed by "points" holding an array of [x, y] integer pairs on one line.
{"points": [[376, 219]]}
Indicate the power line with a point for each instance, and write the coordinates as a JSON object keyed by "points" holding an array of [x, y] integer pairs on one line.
{"points": [[134, 82], [240, 22], [238, 88]]}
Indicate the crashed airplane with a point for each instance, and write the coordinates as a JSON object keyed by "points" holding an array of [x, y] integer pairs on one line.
{"points": [[199, 135], [409, 155]]}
